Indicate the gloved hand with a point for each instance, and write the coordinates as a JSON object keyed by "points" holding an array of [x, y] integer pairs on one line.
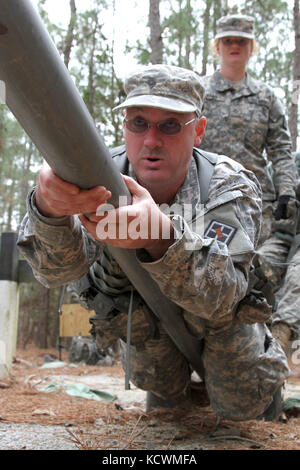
{"points": [[282, 210], [285, 215]]}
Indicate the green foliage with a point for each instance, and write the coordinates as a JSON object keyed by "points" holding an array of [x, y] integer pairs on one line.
{"points": [[94, 73], [273, 31], [17, 161], [181, 31]]}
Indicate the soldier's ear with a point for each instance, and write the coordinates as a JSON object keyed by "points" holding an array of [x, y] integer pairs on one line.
{"points": [[200, 129]]}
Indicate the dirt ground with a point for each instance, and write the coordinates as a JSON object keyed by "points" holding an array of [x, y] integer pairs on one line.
{"points": [[123, 423]]}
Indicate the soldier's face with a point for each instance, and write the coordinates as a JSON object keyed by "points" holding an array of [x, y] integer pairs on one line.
{"points": [[158, 158], [235, 50]]}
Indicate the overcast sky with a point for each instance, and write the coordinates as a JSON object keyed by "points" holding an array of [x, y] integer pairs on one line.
{"points": [[129, 22]]}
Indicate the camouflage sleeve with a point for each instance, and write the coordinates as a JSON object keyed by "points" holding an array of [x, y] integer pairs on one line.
{"points": [[298, 189], [279, 150], [58, 249], [207, 277]]}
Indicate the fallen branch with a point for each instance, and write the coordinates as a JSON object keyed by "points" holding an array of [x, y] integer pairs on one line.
{"points": [[4, 385], [18, 360], [238, 438]]}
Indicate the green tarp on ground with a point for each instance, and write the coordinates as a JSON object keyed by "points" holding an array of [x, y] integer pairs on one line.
{"points": [[80, 391], [291, 403]]}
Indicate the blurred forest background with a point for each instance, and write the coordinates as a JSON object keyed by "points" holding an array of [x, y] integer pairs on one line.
{"points": [[177, 32]]}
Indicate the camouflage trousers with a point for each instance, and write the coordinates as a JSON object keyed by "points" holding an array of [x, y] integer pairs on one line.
{"points": [[244, 365], [273, 254], [266, 221], [284, 281], [288, 297]]}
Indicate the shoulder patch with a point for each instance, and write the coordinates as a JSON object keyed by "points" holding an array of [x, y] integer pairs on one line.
{"points": [[220, 231]]}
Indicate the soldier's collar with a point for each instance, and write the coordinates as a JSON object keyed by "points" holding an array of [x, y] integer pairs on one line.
{"points": [[222, 84], [189, 195]]}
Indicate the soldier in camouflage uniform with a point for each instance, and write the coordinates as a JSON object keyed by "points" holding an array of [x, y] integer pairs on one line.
{"points": [[206, 274], [286, 319], [246, 121]]}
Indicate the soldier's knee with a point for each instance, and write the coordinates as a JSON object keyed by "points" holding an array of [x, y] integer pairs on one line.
{"points": [[113, 326], [244, 367]]}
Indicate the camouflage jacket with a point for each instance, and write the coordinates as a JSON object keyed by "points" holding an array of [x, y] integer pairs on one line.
{"points": [[248, 123], [206, 275], [297, 162]]}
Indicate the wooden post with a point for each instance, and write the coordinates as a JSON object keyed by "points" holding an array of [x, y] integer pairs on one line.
{"points": [[9, 301]]}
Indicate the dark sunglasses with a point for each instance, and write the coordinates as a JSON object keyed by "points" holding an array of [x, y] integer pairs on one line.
{"points": [[168, 127]]}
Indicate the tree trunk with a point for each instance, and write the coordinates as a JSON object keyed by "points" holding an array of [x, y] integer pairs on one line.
{"points": [[27, 331], [116, 87], [70, 33], [55, 318], [156, 44], [216, 15], [206, 36], [2, 126], [180, 36], [24, 183], [10, 205], [43, 318], [293, 112], [91, 78], [188, 47]]}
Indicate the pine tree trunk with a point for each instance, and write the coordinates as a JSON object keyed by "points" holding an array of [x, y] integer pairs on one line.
{"points": [[10, 205], [205, 36], [70, 33], [216, 16], [91, 78], [116, 88], [55, 318], [187, 63], [2, 127], [24, 183], [293, 112], [156, 44], [43, 318]]}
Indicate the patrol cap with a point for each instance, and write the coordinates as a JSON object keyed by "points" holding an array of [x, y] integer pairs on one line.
{"points": [[165, 87], [235, 25]]}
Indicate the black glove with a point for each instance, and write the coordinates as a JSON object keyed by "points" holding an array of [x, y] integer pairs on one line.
{"points": [[281, 209]]}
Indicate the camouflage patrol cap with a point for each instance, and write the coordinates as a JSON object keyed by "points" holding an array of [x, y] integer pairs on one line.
{"points": [[235, 25], [165, 87]]}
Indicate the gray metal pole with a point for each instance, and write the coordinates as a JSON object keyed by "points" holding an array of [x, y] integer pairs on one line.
{"points": [[42, 96]]}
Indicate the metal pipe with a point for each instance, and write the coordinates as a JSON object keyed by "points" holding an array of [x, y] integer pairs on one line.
{"points": [[42, 96]]}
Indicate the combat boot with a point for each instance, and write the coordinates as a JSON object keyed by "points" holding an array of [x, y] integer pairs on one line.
{"points": [[195, 394], [154, 401], [274, 410]]}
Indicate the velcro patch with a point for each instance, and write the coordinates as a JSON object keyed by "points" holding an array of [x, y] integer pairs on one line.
{"points": [[220, 231]]}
